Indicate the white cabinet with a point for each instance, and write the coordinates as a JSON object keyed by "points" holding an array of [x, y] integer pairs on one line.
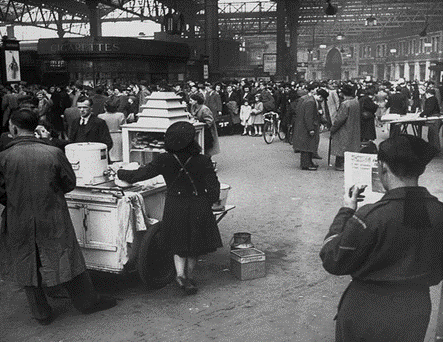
{"points": [[96, 224]]}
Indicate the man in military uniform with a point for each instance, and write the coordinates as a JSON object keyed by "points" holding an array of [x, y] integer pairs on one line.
{"points": [[393, 249]]}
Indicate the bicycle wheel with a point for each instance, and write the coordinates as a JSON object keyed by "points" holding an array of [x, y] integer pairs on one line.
{"points": [[268, 132], [280, 131]]}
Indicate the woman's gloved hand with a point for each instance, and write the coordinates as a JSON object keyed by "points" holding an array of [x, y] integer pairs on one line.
{"points": [[124, 175]]}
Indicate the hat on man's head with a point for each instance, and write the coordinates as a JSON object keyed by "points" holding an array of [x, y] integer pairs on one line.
{"points": [[323, 93], [179, 135], [312, 86], [347, 90], [406, 149]]}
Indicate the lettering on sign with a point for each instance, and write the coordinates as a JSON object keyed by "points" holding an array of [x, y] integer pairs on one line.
{"points": [[85, 47]]}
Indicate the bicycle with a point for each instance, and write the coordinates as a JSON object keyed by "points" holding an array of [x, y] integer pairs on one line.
{"points": [[272, 127]]}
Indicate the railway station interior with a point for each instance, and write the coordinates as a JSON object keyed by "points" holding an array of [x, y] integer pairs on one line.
{"points": [[238, 73]]}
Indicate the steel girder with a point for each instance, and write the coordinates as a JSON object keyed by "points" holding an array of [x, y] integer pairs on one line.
{"points": [[238, 18], [72, 15]]}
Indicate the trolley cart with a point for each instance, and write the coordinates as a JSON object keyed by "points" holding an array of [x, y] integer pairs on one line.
{"points": [[94, 212]]}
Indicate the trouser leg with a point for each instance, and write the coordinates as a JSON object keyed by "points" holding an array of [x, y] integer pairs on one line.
{"points": [[82, 292], [394, 130], [433, 134], [339, 162], [305, 159], [35, 295]]}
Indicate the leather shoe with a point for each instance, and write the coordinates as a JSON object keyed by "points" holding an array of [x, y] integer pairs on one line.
{"points": [[316, 156], [310, 168], [339, 168], [314, 165], [190, 287], [103, 303]]}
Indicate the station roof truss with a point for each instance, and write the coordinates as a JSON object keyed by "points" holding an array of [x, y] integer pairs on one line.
{"points": [[239, 18]]}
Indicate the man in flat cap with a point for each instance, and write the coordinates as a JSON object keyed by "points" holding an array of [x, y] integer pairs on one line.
{"points": [[393, 249]]}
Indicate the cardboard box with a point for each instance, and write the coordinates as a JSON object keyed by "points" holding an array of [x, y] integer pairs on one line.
{"points": [[248, 263]]}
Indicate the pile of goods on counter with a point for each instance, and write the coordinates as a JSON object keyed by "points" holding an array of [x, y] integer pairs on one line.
{"points": [[148, 140]]}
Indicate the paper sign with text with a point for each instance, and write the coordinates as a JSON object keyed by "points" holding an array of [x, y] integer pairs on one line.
{"points": [[361, 169]]}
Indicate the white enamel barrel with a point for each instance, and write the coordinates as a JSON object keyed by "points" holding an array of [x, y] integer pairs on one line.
{"points": [[89, 162]]}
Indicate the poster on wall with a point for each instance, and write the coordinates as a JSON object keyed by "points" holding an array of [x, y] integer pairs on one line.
{"points": [[12, 62], [270, 63]]}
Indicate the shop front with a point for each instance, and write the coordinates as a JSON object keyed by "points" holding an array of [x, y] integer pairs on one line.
{"points": [[107, 60]]}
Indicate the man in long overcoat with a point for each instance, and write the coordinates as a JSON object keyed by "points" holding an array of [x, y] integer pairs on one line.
{"points": [[345, 130], [307, 128], [213, 101], [39, 233]]}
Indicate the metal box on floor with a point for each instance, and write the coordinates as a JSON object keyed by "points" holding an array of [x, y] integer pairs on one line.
{"points": [[248, 263]]}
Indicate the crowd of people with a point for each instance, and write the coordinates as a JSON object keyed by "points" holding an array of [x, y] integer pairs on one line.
{"points": [[241, 104]]}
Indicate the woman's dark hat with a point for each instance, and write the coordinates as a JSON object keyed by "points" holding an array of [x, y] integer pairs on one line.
{"points": [[179, 135], [407, 149]]}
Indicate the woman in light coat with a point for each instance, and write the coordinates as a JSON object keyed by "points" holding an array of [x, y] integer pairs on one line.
{"points": [[114, 120], [203, 114]]}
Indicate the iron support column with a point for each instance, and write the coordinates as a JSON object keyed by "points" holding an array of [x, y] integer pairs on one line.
{"points": [[94, 18], [212, 41], [281, 39], [292, 12]]}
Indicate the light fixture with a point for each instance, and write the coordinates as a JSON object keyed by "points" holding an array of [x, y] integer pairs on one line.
{"points": [[371, 21], [424, 32], [428, 44], [393, 51], [322, 46], [340, 36], [330, 9]]}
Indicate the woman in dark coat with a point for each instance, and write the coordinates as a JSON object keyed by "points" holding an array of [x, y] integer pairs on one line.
{"points": [[192, 188], [368, 108]]}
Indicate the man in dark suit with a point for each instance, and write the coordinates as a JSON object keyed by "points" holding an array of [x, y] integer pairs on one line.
{"points": [[432, 108], [89, 128], [397, 104]]}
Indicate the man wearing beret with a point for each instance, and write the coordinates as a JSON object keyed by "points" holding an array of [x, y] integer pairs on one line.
{"points": [[393, 249]]}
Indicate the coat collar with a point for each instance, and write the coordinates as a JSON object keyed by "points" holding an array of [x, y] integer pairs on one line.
{"points": [[26, 139], [400, 193]]}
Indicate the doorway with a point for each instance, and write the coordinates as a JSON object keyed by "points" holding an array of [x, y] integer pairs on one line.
{"points": [[333, 64]]}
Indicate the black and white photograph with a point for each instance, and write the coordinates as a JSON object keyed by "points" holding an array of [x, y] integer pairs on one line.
{"points": [[221, 170]]}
